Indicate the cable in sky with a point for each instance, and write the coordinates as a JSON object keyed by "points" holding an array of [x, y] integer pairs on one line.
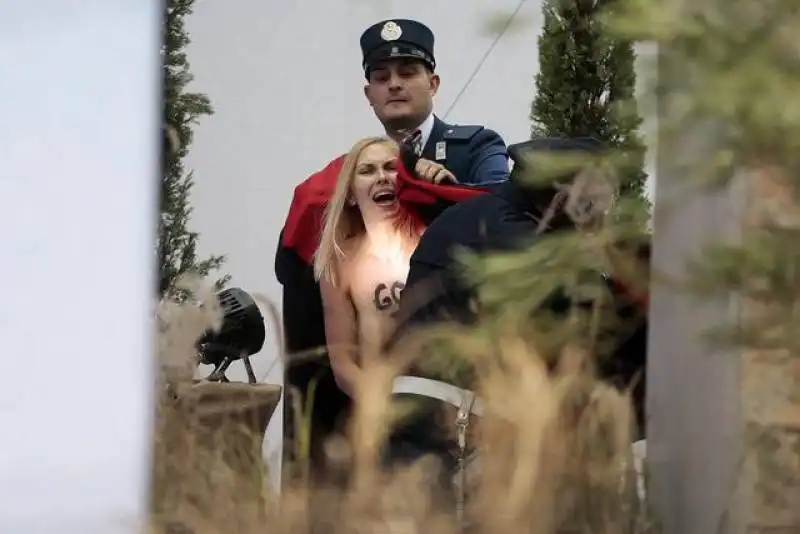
{"points": [[484, 58]]}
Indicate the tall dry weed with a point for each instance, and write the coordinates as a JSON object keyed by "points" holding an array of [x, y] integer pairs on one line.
{"points": [[553, 451]]}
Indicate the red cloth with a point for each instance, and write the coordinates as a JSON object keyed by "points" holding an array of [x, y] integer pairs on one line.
{"points": [[304, 222]]}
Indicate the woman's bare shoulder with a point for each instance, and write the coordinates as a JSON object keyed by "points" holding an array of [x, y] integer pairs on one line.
{"points": [[351, 249], [343, 265]]}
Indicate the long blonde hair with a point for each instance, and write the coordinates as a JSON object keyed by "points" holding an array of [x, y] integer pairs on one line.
{"points": [[340, 221]]}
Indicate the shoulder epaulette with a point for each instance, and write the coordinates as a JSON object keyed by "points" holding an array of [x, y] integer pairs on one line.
{"points": [[461, 132]]}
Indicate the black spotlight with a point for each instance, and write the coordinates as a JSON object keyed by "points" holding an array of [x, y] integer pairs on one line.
{"points": [[241, 335]]}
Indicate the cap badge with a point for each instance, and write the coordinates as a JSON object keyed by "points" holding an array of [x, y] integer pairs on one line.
{"points": [[391, 31]]}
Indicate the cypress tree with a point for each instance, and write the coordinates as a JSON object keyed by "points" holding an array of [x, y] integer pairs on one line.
{"points": [[177, 244], [586, 85]]}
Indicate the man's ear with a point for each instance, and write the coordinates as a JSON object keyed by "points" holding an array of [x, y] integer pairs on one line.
{"points": [[434, 81], [366, 94]]}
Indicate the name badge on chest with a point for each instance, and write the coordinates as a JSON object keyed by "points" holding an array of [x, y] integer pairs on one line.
{"points": [[441, 151]]}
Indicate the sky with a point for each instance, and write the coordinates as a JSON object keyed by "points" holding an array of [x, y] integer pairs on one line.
{"points": [[79, 108], [285, 80]]}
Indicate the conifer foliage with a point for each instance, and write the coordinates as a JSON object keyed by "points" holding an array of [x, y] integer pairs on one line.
{"points": [[177, 244], [586, 84]]}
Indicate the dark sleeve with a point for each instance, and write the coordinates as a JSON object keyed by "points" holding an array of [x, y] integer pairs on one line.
{"points": [[416, 304], [489, 162], [304, 329], [433, 290], [303, 323]]}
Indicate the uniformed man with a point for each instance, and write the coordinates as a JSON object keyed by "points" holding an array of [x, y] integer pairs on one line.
{"points": [[400, 68], [399, 65]]}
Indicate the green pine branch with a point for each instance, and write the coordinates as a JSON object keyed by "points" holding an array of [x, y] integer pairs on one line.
{"points": [[177, 244], [586, 85]]}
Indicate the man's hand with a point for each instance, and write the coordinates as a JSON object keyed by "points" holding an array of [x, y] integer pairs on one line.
{"points": [[433, 172]]}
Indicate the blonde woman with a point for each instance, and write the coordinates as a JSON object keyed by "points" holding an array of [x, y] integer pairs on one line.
{"points": [[363, 256]]}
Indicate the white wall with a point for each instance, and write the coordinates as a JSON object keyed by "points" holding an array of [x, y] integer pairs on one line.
{"points": [[285, 80], [77, 219]]}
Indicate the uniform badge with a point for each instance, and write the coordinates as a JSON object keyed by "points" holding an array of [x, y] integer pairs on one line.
{"points": [[441, 151], [391, 31]]}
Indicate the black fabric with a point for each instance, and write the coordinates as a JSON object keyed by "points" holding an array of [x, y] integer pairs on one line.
{"points": [[412, 443], [304, 330], [422, 433]]}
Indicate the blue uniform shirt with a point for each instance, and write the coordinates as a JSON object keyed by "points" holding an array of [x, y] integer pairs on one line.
{"points": [[474, 154]]}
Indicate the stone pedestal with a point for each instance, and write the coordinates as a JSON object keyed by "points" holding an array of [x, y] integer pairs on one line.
{"points": [[208, 470]]}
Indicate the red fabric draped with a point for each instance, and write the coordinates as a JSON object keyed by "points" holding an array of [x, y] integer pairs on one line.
{"points": [[304, 222]]}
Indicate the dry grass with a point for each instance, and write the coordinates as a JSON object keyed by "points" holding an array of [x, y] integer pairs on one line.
{"points": [[555, 453]]}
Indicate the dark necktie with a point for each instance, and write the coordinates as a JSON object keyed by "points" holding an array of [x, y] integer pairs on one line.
{"points": [[418, 142]]}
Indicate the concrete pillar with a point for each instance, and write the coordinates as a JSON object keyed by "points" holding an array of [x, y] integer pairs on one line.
{"points": [[707, 472]]}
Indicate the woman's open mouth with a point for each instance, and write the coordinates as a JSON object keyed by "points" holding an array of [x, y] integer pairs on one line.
{"points": [[384, 197]]}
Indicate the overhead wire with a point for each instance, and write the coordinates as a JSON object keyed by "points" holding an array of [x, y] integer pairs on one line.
{"points": [[486, 55]]}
